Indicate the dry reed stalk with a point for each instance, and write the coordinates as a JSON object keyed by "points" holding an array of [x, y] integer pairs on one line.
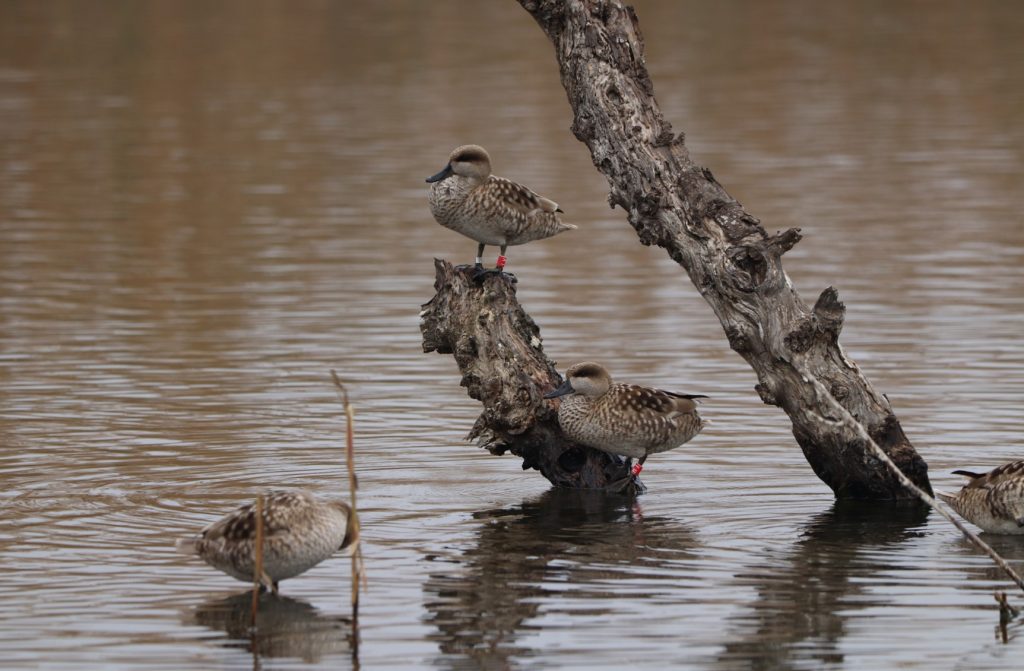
{"points": [[358, 567]]}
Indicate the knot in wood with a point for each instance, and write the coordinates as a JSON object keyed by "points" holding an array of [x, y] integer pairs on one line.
{"points": [[800, 339], [649, 204], [613, 95], [749, 267]]}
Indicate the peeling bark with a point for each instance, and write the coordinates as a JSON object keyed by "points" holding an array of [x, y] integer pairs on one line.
{"points": [[732, 260]]}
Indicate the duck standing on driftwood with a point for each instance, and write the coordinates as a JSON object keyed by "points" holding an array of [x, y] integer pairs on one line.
{"points": [[468, 199], [299, 532], [623, 419], [993, 501]]}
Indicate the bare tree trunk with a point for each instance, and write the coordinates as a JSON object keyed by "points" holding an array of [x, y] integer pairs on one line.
{"points": [[730, 258], [498, 349]]}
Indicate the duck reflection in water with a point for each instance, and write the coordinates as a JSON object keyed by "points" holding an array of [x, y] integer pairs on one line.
{"points": [[591, 544], [285, 626]]}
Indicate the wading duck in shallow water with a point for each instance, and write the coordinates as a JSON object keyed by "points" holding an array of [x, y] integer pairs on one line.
{"points": [[623, 419], [299, 532], [993, 501], [468, 199]]}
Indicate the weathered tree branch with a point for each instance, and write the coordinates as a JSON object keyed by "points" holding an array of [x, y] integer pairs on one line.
{"points": [[499, 352], [734, 263]]}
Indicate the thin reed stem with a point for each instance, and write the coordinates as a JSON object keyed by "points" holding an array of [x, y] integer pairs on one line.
{"points": [[358, 567]]}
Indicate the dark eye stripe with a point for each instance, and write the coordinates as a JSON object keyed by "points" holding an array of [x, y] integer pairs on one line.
{"points": [[469, 157]]}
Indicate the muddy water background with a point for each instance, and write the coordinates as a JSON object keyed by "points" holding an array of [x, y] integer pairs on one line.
{"points": [[206, 206]]}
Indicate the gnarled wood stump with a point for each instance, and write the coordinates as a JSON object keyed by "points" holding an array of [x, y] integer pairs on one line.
{"points": [[499, 352]]}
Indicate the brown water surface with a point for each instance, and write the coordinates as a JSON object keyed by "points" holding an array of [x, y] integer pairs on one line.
{"points": [[206, 206]]}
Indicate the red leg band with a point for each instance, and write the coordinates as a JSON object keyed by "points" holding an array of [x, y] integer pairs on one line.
{"points": [[635, 471], [501, 262]]}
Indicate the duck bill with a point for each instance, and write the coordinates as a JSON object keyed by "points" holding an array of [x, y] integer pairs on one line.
{"points": [[566, 388], [446, 172]]}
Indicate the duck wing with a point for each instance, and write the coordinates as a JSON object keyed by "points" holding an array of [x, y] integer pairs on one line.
{"points": [[656, 401], [517, 197]]}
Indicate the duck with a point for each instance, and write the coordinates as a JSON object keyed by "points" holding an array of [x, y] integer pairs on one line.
{"points": [[993, 501], [466, 198], [623, 419], [299, 532]]}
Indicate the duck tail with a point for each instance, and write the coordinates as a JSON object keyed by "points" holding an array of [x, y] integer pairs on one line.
{"points": [[945, 496], [185, 546]]}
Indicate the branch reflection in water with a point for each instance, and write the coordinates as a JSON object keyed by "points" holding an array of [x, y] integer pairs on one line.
{"points": [[286, 627], [569, 552], [985, 576], [803, 603]]}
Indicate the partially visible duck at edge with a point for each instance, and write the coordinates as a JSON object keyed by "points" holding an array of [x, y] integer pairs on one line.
{"points": [[623, 419], [468, 199], [993, 501], [299, 532]]}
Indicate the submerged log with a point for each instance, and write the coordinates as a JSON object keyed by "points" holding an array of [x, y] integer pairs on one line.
{"points": [[498, 349], [733, 261]]}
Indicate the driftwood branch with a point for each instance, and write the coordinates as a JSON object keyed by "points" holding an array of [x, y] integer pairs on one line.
{"points": [[733, 261], [498, 349]]}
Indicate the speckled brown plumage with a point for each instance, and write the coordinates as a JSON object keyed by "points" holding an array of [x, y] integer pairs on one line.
{"points": [[623, 419], [299, 532], [468, 199], [993, 501]]}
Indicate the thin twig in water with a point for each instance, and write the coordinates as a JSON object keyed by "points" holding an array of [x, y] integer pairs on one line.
{"points": [[257, 565], [879, 453]]}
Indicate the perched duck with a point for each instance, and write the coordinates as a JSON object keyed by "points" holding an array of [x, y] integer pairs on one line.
{"points": [[299, 532], [623, 419], [468, 199], [993, 501]]}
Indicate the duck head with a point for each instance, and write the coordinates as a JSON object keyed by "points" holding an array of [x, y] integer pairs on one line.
{"points": [[470, 161], [586, 379]]}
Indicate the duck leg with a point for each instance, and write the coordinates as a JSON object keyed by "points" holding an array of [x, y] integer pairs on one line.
{"points": [[479, 272], [479, 265], [501, 259], [630, 484], [500, 267]]}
